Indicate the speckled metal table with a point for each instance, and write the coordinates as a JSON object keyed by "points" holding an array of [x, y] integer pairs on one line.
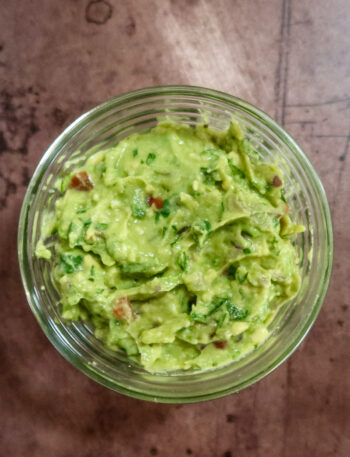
{"points": [[60, 58]]}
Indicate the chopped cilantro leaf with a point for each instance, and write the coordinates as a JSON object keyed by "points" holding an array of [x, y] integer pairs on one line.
{"points": [[235, 170], [236, 314], [231, 272], [165, 211], [241, 278], [275, 221], [100, 226], [87, 224], [150, 158], [207, 225], [216, 303], [70, 263], [182, 260], [283, 196], [198, 317]]}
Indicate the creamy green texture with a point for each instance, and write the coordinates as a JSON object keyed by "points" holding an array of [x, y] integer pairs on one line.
{"points": [[177, 245]]}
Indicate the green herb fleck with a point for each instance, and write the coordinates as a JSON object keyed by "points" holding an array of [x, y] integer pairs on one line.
{"points": [[231, 272], [92, 274], [204, 226], [235, 170], [207, 225], [65, 182], [182, 260], [241, 278], [87, 224], [222, 206], [236, 314], [100, 168], [283, 198], [101, 226], [70, 263], [99, 291], [198, 317], [175, 241], [207, 175], [166, 209], [135, 152], [216, 303], [275, 221], [221, 321], [150, 158], [247, 251]]}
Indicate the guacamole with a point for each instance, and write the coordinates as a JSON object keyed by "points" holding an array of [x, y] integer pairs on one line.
{"points": [[176, 244]]}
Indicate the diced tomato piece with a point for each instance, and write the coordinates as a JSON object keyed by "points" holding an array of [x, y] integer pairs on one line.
{"points": [[276, 182], [222, 344], [157, 201], [81, 181], [123, 309]]}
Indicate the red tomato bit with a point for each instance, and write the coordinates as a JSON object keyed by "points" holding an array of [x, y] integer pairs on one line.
{"points": [[123, 309], [157, 201], [81, 181], [222, 344], [276, 182]]}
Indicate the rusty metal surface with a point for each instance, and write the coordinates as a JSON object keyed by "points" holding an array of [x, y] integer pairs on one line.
{"points": [[60, 58]]}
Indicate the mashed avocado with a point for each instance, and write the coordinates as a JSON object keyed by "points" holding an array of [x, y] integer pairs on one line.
{"points": [[177, 245]]}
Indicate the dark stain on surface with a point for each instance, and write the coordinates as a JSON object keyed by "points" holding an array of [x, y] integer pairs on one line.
{"points": [[3, 143], [19, 116], [25, 176], [227, 454], [59, 116], [7, 188], [189, 451], [231, 418], [340, 323], [130, 26], [153, 451], [32, 129], [1, 47], [98, 12], [344, 307]]}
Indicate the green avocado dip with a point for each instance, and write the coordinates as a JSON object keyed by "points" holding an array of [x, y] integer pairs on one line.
{"points": [[176, 244]]}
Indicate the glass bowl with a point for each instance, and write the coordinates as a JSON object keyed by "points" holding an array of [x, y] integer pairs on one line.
{"points": [[137, 111]]}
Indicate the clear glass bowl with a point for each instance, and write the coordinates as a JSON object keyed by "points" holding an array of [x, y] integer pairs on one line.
{"points": [[140, 110]]}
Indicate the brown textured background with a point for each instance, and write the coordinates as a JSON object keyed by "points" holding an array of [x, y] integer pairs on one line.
{"points": [[59, 58]]}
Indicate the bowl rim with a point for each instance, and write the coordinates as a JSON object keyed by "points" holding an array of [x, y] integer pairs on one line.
{"points": [[54, 149]]}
